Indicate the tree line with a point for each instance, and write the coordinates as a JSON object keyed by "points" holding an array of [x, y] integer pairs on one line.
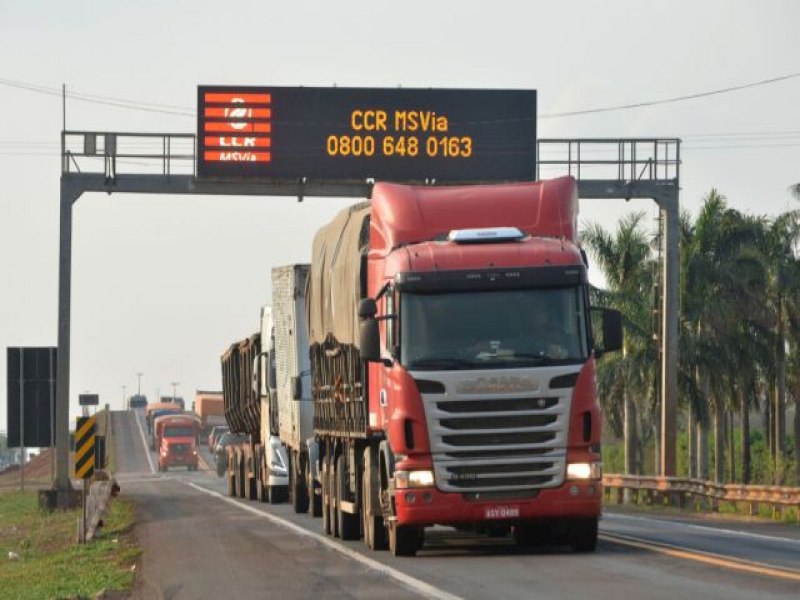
{"points": [[739, 348]]}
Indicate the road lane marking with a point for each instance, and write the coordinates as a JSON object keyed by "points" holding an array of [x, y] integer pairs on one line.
{"points": [[144, 443], [417, 585], [772, 538], [710, 558]]}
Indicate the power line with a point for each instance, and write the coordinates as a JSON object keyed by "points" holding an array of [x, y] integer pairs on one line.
{"points": [[726, 90], [104, 100]]}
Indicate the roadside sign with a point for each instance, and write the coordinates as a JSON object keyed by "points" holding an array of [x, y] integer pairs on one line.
{"points": [[88, 399], [85, 438], [30, 393], [353, 134]]}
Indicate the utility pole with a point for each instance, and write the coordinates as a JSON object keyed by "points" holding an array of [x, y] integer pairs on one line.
{"points": [[124, 396], [175, 385], [139, 385]]}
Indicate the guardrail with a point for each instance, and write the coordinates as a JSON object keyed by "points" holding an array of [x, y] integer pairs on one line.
{"points": [[680, 492]]}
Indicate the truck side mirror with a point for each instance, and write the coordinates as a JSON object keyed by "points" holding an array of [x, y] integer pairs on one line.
{"points": [[370, 342], [297, 388], [612, 331], [367, 309]]}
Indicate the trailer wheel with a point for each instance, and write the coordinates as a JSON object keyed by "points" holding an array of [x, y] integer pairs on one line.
{"points": [[583, 536], [348, 523], [239, 478], [277, 494], [261, 491], [374, 530], [297, 488], [231, 479], [251, 482], [314, 498], [327, 508], [403, 539]]}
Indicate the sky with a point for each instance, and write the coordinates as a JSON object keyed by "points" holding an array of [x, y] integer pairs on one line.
{"points": [[161, 285]]}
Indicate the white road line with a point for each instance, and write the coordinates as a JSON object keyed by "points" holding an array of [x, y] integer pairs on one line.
{"points": [[417, 585], [144, 442], [706, 528]]}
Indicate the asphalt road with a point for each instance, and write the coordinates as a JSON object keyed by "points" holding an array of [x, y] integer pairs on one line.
{"points": [[198, 543]]}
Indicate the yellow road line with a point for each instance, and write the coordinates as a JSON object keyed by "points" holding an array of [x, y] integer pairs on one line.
{"points": [[705, 557]]}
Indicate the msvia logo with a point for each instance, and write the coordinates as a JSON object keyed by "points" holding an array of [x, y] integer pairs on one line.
{"points": [[238, 112]]}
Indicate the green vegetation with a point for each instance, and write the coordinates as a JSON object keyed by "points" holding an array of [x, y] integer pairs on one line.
{"points": [[50, 563], [739, 353]]}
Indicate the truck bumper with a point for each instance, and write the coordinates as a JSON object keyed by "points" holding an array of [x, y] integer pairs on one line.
{"points": [[429, 506]]}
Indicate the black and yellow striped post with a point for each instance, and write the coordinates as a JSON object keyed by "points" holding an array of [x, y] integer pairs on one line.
{"points": [[85, 437]]}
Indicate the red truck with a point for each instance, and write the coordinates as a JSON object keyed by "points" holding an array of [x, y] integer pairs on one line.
{"points": [[177, 440], [453, 365]]}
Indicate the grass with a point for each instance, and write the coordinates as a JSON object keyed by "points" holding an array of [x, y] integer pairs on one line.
{"points": [[51, 564]]}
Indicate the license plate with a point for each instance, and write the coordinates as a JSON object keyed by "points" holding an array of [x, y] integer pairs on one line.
{"points": [[501, 512]]}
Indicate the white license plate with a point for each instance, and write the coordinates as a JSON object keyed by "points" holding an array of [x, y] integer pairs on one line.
{"points": [[501, 512]]}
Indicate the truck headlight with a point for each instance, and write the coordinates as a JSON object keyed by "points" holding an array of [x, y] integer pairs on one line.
{"points": [[592, 470], [413, 479]]}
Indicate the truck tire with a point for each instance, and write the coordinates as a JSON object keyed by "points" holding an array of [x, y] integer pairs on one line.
{"points": [[240, 479], [348, 523], [252, 491], [231, 479], [261, 491], [403, 539], [583, 535], [314, 494], [327, 501], [297, 486], [277, 494], [374, 530]]}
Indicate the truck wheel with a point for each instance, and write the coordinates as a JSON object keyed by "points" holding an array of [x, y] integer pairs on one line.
{"points": [[583, 537], [261, 491], [314, 498], [327, 509], [297, 488], [348, 524], [374, 530], [240, 479], [252, 492], [403, 539], [277, 494], [231, 481]]}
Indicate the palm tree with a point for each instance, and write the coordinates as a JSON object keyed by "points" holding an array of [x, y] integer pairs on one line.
{"points": [[625, 259], [779, 241], [722, 279]]}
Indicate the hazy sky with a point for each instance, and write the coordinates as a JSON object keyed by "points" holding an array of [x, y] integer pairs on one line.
{"points": [[162, 284]]}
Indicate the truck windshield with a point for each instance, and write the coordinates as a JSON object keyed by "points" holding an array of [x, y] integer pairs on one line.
{"points": [[178, 431], [493, 329]]}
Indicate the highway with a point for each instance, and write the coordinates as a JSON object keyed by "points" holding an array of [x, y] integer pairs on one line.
{"points": [[198, 543]]}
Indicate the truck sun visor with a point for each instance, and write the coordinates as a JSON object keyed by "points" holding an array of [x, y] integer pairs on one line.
{"points": [[486, 235]]}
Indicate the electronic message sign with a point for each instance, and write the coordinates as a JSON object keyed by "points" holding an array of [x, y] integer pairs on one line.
{"points": [[353, 134]]}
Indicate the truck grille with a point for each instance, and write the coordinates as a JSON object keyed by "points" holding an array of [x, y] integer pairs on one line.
{"points": [[510, 444]]}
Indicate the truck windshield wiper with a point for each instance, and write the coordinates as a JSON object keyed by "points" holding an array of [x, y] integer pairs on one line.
{"points": [[441, 362], [539, 359]]}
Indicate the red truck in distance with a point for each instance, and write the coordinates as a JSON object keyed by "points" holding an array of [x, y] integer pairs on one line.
{"points": [[177, 441]]}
